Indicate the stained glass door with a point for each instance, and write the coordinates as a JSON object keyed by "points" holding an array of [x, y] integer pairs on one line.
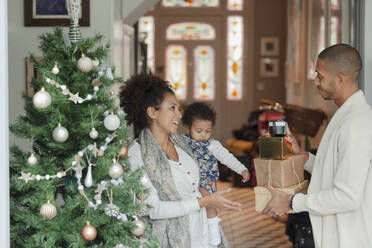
{"points": [[189, 58]]}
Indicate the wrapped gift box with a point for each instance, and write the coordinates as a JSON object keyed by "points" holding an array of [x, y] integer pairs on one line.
{"points": [[263, 195], [273, 147], [279, 173]]}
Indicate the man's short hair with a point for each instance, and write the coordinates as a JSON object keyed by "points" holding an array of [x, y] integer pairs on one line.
{"points": [[342, 58]]}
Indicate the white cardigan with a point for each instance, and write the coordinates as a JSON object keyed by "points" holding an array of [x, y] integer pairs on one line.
{"points": [[186, 178], [339, 198], [225, 157]]}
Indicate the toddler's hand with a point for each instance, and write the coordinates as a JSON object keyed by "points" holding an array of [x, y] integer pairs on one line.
{"points": [[246, 176]]}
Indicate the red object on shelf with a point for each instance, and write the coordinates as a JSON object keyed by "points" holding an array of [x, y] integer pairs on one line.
{"points": [[263, 121]]}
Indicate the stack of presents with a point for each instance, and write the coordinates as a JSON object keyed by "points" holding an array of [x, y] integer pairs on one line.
{"points": [[277, 166]]}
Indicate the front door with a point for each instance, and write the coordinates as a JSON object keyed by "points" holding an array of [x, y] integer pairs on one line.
{"points": [[197, 72]]}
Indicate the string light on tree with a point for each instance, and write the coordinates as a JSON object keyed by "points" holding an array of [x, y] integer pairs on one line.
{"points": [[42, 99]]}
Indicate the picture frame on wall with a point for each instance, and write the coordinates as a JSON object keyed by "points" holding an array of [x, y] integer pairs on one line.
{"points": [[269, 67], [270, 46], [53, 13]]}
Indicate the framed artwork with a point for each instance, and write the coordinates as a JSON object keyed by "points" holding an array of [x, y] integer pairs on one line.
{"points": [[53, 13], [31, 73], [269, 46], [269, 67]]}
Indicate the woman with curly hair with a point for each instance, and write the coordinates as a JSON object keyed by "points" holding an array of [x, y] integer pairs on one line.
{"points": [[178, 211]]}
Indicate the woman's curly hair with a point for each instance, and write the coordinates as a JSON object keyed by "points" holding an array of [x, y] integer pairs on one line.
{"points": [[140, 92], [198, 111]]}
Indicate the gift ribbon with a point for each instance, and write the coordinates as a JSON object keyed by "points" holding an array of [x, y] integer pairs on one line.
{"points": [[270, 176]]}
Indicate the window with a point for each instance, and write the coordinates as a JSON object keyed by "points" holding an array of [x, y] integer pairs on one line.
{"points": [[191, 31], [234, 57], [235, 5], [204, 83], [146, 30], [176, 71]]}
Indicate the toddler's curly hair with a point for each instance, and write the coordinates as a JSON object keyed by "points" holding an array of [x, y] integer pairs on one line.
{"points": [[198, 111]]}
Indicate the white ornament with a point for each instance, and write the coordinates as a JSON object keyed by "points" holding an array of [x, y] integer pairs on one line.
{"points": [[81, 154], [80, 187], [109, 74], [89, 97], [93, 133], [55, 69], [48, 210], [88, 182], [111, 122], [38, 177], [47, 177], [32, 160], [42, 99], [85, 64], [144, 180], [116, 170], [60, 134], [95, 62], [96, 88], [101, 73], [112, 210], [59, 174]]}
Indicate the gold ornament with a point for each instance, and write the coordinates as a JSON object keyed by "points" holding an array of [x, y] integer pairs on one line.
{"points": [[100, 153], [95, 82], [123, 152], [88, 232], [48, 210], [139, 229]]}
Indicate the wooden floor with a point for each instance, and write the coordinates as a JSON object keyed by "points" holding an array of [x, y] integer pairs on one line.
{"points": [[248, 228]]}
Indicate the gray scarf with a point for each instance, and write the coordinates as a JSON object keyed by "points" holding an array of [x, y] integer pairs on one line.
{"points": [[173, 232]]}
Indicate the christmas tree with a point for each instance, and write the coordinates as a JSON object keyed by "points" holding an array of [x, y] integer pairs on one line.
{"points": [[75, 189]]}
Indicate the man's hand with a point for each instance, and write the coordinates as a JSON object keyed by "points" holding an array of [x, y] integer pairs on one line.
{"points": [[279, 203], [246, 175]]}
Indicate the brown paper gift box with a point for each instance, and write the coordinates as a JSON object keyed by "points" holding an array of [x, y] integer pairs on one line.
{"points": [[282, 172], [263, 195]]}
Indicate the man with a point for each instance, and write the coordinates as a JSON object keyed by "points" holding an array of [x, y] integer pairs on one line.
{"points": [[339, 198]]}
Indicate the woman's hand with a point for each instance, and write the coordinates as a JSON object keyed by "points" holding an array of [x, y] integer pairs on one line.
{"points": [[216, 200]]}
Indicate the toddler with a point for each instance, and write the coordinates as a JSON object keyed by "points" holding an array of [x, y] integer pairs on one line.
{"points": [[199, 120]]}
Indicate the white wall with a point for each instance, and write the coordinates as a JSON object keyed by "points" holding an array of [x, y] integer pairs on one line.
{"points": [[367, 49], [4, 134], [23, 40]]}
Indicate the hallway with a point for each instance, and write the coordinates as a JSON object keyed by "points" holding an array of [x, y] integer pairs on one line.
{"points": [[248, 228]]}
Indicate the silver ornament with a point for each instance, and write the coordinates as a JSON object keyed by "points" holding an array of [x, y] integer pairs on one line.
{"points": [[112, 210], [48, 210], [32, 160], [88, 182], [42, 99], [116, 170], [139, 229], [111, 122], [85, 64], [93, 133], [59, 200], [55, 69], [60, 134]]}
